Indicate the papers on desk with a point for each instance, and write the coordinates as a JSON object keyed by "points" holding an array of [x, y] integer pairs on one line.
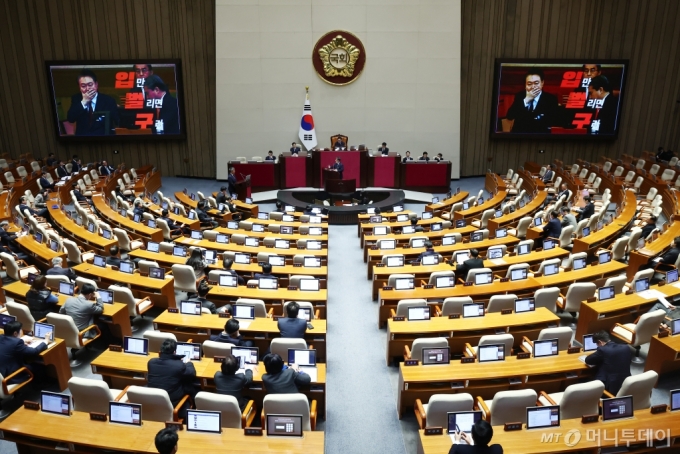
{"points": [[311, 371], [34, 342], [653, 294], [498, 261], [582, 358], [244, 324]]}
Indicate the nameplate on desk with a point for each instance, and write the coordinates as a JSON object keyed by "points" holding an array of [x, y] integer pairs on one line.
{"points": [[115, 348], [661, 283], [630, 292], [30, 405], [143, 274], [571, 350], [174, 425], [270, 246], [454, 316], [94, 416], [398, 318], [506, 311], [467, 284], [585, 419], [656, 409], [292, 287], [415, 264], [405, 246], [223, 315], [433, 431], [380, 265], [538, 274], [173, 310], [297, 265], [663, 333], [411, 362], [374, 247], [251, 285], [467, 359], [592, 299], [510, 426], [276, 317], [523, 355], [505, 279], [253, 431], [428, 286], [387, 287], [218, 359]]}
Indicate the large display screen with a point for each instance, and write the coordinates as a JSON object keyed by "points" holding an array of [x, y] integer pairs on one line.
{"points": [[562, 99], [126, 99]]}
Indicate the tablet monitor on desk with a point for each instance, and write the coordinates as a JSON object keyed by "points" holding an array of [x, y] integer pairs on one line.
{"points": [[522, 203], [176, 210], [221, 238], [460, 223], [135, 345], [418, 313], [462, 421], [40, 330], [305, 314], [190, 308], [288, 230], [312, 231], [375, 219], [548, 244], [66, 288], [242, 258], [196, 235], [151, 224], [435, 199], [408, 229], [312, 262], [38, 237], [380, 230], [258, 228], [617, 408], [395, 261], [476, 236], [245, 355], [518, 274], [483, 278], [192, 215], [498, 213], [125, 413], [491, 352], [404, 283], [276, 260], [313, 245], [249, 200], [210, 256], [605, 257], [524, 305], [494, 253], [438, 355], [191, 351], [585, 232], [152, 246], [436, 227], [605, 293], [315, 219], [675, 326], [302, 357], [106, 296], [538, 222], [387, 244], [641, 285], [288, 218], [252, 242], [542, 417], [370, 210], [289, 209], [164, 205], [204, 421], [54, 245], [430, 260], [675, 399], [461, 257], [31, 278], [262, 215], [137, 217], [671, 276], [126, 267], [417, 242], [232, 225], [448, 240], [588, 343], [501, 233], [546, 347], [523, 249], [551, 268], [268, 283], [244, 311], [227, 280], [179, 251], [284, 425], [445, 281], [79, 221], [123, 213], [427, 215], [99, 261], [156, 272], [309, 285], [56, 403], [473, 310], [398, 208], [579, 263], [5, 319]]}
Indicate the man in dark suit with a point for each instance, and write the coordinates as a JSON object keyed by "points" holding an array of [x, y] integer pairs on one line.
{"points": [[588, 210], [424, 157], [9, 239], [439, 157], [339, 144], [75, 164], [548, 175], [612, 361], [203, 290], [429, 250], [45, 183], [649, 227], [266, 271], [139, 209], [203, 216], [227, 264], [51, 160], [231, 334], [230, 383], [668, 258], [13, 352], [292, 326], [407, 157], [477, 442], [90, 109], [166, 109], [62, 171], [564, 191], [280, 379], [57, 270], [604, 118], [533, 110], [231, 180], [338, 167], [23, 207], [294, 149], [270, 156], [175, 229], [225, 198], [114, 256], [172, 372], [105, 169], [472, 263], [384, 150], [552, 229]]}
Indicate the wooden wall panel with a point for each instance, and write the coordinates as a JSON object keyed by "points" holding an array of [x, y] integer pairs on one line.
{"points": [[33, 31], [642, 31]]}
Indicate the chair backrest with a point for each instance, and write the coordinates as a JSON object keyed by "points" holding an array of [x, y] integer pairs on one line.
{"points": [[486, 215], [648, 326], [155, 402], [544, 263], [497, 303], [523, 226], [562, 333], [617, 281], [426, 342], [654, 169], [619, 248], [547, 297], [507, 339], [72, 251], [640, 387], [281, 345], [227, 405], [156, 339], [579, 227], [523, 242], [581, 399], [80, 281], [260, 308], [416, 237], [53, 280], [212, 349], [11, 267], [509, 406], [124, 295], [642, 274], [633, 238], [144, 265], [652, 193], [123, 239], [294, 280], [392, 279], [516, 266], [65, 328], [667, 175], [302, 304], [454, 305], [184, 278], [440, 404], [436, 274], [618, 171], [22, 313], [90, 395], [9, 177], [577, 293], [475, 271], [403, 305], [291, 404], [574, 169], [384, 259]]}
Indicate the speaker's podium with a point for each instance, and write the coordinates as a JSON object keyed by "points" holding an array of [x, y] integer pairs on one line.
{"points": [[334, 186], [243, 188]]}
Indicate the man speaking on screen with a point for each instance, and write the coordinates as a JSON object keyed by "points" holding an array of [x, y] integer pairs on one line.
{"points": [[533, 110], [90, 109], [166, 113]]}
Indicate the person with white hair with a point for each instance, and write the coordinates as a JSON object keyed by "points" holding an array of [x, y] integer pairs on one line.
{"points": [[57, 270]]}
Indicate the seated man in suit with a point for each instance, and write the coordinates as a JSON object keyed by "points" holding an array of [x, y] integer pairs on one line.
{"points": [[587, 211], [429, 250], [41, 199], [281, 379], [57, 270], [414, 222], [224, 197], [294, 149], [173, 373], [105, 169], [477, 442], [13, 352], [203, 217], [9, 239], [175, 229], [384, 150], [139, 209], [472, 263], [231, 334], [533, 110], [83, 308], [270, 156], [612, 361], [227, 264], [424, 157], [649, 227], [548, 175], [568, 218], [114, 256], [203, 289], [62, 171], [228, 382], [44, 182], [338, 167], [564, 191], [23, 206], [669, 258], [553, 229], [166, 441], [407, 157], [292, 326], [439, 157], [51, 160], [266, 272], [339, 144]]}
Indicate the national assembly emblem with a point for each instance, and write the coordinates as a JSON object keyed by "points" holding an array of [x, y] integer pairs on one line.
{"points": [[339, 57]]}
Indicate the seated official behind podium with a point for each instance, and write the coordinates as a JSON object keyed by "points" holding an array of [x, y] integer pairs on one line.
{"points": [[612, 361], [339, 144], [384, 150], [407, 157], [227, 264], [292, 326], [166, 441], [472, 263], [281, 379], [338, 167], [230, 383], [477, 442], [13, 352], [231, 335], [172, 372], [424, 157], [270, 156], [294, 149], [439, 157]]}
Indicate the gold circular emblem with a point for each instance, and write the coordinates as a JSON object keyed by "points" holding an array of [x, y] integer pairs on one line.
{"points": [[339, 57]]}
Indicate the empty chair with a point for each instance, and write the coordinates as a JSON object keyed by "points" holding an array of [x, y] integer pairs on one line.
{"points": [[563, 335], [618, 282], [667, 175], [618, 171], [434, 412], [522, 227], [291, 404], [124, 241], [454, 305], [392, 279], [641, 332], [634, 238], [416, 349], [403, 305], [498, 303], [490, 339], [484, 220], [530, 243], [232, 417], [91, 395], [156, 403], [212, 349], [473, 272], [136, 306], [515, 267], [639, 386], [654, 169], [260, 308], [184, 278], [577, 400], [414, 238], [618, 248], [23, 315], [280, 345], [569, 261], [65, 328], [544, 263], [436, 274], [156, 339], [80, 281], [507, 406], [295, 279], [643, 274], [577, 293], [547, 297], [145, 265], [12, 267]]}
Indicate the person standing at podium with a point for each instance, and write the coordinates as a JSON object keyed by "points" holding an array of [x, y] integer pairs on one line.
{"points": [[231, 180], [384, 150], [339, 144], [338, 167], [407, 157], [294, 149]]}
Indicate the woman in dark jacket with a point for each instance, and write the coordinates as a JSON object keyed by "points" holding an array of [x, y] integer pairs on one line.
{"points": [[40, 299], [196, 262]]}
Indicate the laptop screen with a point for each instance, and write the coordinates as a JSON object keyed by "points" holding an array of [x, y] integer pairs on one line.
{"points": [[547, 347], [42, 329], [448, 240], [66, 288], [312, 230], [617, 408], [136, 345], [387, 244], [204, 421], [542, 417], [550, 269], [501, 233], [221, 238], [126, 267], [268, 283], [190, 308], [427, 215], [605, 257], [156, 273], [435, 356], [524, 305], [538, 222], [125, 413], [252, 242], [445, 281], [106, 296], [312, 262], [588, 343], [548, 244], [313, 245], [227, 280], [430, 260], [59, 404], [579, 263], [395, 261], [417, 242], [179, 251], [484, 278], [276, 260], [437, 226], [460, 223], [671, 276], [284, 425], [519, 274], [419, 313], [152, 246], [605, 293], [675, 326], [5, 319], [301, 357], [403, 283], [196, 235], [491, 352], [675, 399], [309, 285], [189, 350], [462, 421], [99, 261], [380, 230], [523, 249], [242, 258], [245, 355], [473, 310]]}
